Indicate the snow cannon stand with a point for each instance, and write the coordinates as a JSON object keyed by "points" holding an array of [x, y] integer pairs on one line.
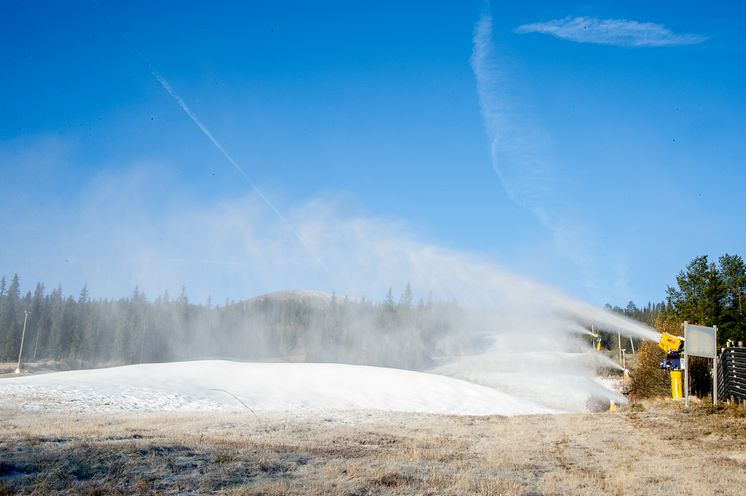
{"points": [[674, 347]]}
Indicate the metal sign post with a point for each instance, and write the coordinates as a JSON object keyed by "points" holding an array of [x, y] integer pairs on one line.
{"points": [[715, 371], [686, 378]]}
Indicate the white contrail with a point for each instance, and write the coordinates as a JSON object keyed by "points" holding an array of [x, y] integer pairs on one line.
{"points": [[517, 145], [520, 151], [203, 128]]}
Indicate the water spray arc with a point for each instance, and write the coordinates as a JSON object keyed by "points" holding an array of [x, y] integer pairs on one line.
{"points": [[188, 111]]}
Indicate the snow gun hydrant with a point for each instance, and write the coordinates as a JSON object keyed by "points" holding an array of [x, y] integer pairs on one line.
{"points": [[674, 347]]}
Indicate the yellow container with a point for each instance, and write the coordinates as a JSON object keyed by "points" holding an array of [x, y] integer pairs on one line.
{"points": [[676, 385]]}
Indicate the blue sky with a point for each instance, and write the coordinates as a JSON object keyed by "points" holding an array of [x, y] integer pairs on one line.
{"points": [[593, 146]]}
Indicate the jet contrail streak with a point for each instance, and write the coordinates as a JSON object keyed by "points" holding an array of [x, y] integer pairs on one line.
{"points": [[206, 132]]}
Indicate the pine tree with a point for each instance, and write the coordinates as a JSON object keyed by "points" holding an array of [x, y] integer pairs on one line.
{"points": [[389, 301], [713, 297], [35, 320], [406, 298], [84, 329], [56, 309], [705, 295], [733, 271], [69, 334], [10, 337], [692, 300]]}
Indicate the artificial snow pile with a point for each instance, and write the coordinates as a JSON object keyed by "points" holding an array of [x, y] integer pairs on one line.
{"points": [[559, 380], [290, 387]]}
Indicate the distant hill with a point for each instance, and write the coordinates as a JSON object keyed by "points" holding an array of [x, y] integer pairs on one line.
{"points": [[314, 298]]}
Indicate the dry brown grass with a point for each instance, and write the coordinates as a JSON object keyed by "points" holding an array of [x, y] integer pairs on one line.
{"points": [[655, 448]]}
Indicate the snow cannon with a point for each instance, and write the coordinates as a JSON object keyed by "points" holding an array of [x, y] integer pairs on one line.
{"points": [[596, 341], [674, 347]]}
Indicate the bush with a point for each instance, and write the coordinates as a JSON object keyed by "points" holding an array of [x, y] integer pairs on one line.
{"points": [[648, 379]]}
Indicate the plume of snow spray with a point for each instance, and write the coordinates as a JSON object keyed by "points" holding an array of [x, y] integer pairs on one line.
{"points": [[535, 347], [515, 334]]}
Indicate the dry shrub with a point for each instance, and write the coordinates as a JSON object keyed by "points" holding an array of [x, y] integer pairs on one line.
{"points": [[394, 479], [492, 487], [648, 379]]}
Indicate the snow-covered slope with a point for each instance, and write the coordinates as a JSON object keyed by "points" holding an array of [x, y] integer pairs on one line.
{"points": [[224, 385]]}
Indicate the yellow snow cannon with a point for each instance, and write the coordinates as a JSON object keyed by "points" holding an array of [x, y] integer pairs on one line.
{"points": [[596, 341], [669, 342], [673, 346]]}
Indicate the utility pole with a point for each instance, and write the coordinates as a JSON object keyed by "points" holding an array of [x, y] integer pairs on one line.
{"points": [[23, 336], [632, 344], [619, 341]]}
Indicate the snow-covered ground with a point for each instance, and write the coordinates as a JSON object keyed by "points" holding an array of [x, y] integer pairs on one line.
{"points": [[292, 387], [559, 380]]}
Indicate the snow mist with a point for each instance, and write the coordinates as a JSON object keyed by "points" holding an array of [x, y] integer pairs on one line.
{"points": [[511, 333]]}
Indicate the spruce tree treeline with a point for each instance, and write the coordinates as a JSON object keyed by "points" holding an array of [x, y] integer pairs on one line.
{"points": [[71, 332], [706, 293]]}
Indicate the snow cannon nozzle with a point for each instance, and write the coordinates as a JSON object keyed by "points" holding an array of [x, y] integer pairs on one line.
{"points": [[670, 343]]}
